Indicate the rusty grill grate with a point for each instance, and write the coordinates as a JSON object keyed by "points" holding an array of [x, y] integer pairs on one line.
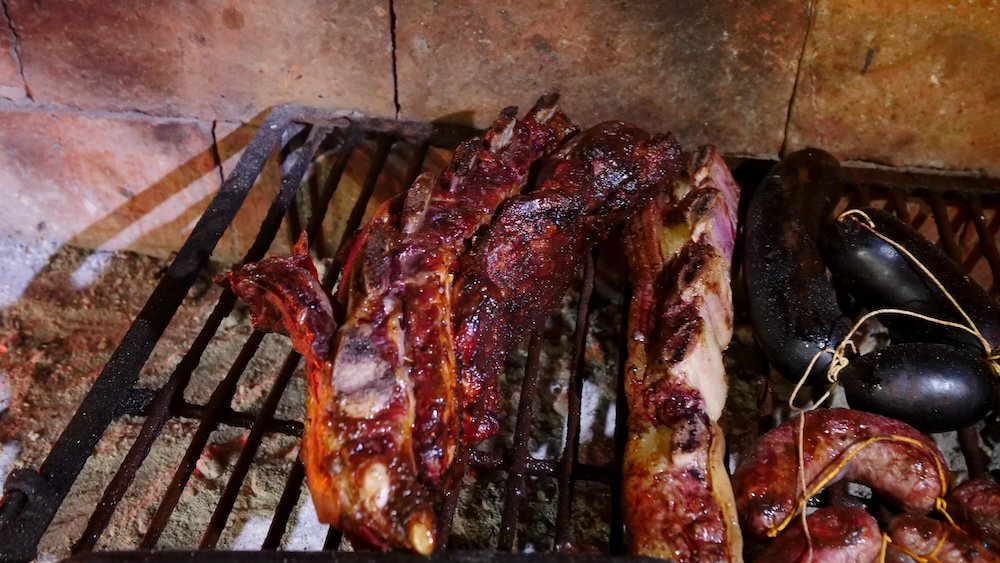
{"points": [[962, 213]]}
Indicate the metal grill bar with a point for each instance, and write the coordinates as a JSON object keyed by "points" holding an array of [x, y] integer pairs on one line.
{"points": [[968, 439], [568, 461], [865, 184], [286, 503], [899, 207], [987, 240], [23, 524], [267, 410], [446, 517], [223, 393], [237, 419], [617, 539], [514, 491], [220, 397], [333, 539], [228, 499], [171, 392], [322, 203]]}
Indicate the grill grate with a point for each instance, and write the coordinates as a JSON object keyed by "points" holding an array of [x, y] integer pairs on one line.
{"points": [[962, 213]]}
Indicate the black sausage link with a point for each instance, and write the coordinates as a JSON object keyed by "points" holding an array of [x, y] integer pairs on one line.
{"points": [[880, 276], [933, 387], [792, 303]]}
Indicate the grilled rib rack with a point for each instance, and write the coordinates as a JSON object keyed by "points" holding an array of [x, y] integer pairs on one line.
{"points": [[963, 213]]}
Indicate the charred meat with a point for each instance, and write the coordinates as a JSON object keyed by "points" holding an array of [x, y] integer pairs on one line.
{"points": [[374, 459], [677, 495], [521, 267]]}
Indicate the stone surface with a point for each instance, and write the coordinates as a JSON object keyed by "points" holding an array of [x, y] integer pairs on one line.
{"points": [[213, 59], [98, 182], [11, 86], [718, 72], [912, 83]]}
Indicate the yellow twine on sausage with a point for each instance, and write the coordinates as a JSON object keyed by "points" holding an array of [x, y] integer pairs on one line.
{"points": [[839, 361], [908, 553], [941, 506], [992, 355], [932, 556], [843, 460], [883, 551]]}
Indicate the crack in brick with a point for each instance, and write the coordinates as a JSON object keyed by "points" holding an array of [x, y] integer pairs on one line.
{"points": [[810, 18], [392, 39], [17, 49], [216, 154]]}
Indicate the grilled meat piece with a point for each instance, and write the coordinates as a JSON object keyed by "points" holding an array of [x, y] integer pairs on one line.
{"points": [[393, 379], [975, 505], [838, 535], [519, 270], [933, 540], [285, 296], [381, 413], [677, 497], [893, 459], [439, 218]]}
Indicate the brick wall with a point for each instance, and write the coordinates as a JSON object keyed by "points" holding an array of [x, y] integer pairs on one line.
{"points": [[114, 115]]}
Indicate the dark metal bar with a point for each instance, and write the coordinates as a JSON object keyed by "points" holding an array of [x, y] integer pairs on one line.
{"points": [[617, 540], [283, 511], [933, 183], [899, 206], [968, 439], [344, 151], [862, 195], [232, 490], [377, 163], [449, 502], [986, 239], [26, 525], [333, 539], [537, 467], [222, 396], [237, 419], [519, 458], [171, 392], [945, 232], [293, 218], [158, 416], [568, 461], [417, 164]]}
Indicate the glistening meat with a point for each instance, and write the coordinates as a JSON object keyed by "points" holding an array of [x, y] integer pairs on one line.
{"points": [[374, 461], [677, 496], [519, 270]]}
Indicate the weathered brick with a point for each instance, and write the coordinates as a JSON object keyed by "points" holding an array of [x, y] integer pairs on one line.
{"points": [[908, 83], [11, 86], [718, 72], [100, 182], [213, 59]]}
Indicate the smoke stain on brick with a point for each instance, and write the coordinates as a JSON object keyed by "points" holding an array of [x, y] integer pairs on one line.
{"points": [[232, 18]]}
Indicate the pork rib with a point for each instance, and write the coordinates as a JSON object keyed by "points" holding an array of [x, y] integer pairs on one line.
{"points": [[677, 496], [519, 270], [382, 417], [440, 216]]}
